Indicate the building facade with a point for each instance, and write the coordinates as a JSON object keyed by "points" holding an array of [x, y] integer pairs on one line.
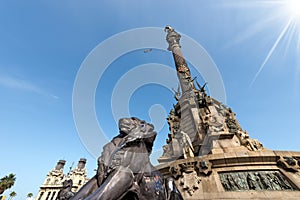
{"points": [[54, 179]]}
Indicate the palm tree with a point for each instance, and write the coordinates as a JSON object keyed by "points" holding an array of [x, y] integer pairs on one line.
{"points": [[29, 195], [7, 182], [12, 194]]}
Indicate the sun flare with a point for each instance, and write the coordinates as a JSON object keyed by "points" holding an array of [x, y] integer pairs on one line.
{"points": [[290, 10], [293, 7]]}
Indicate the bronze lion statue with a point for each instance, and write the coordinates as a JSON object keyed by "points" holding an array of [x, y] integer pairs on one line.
{"points": [[124, 169]]}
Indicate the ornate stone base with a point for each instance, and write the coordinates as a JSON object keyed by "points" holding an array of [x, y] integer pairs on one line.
{"points": [[261, 174]]}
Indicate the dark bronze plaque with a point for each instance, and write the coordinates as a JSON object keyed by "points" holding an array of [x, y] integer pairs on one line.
{"points": [[255, 180]]}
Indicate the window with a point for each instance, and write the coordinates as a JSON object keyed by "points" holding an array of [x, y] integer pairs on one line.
{"points": [[40, 195], [53, 195], [48, 195]]}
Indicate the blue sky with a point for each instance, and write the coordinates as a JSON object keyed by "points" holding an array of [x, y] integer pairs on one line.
{"points": [[44, 43]]}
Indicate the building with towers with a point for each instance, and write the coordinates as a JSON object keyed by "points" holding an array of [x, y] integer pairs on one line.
{"points": [[55, 178]]}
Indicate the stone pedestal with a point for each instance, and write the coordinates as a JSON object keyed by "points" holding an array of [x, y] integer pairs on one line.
{"points": [[261, 174]]}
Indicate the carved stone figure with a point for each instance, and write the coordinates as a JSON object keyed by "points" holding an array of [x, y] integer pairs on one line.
{"points": [[171, 115], [188, 149], [168, 150], [177, 93], [124, 166], [231, 123], [251, 144], [65, 193], [184, 141]]}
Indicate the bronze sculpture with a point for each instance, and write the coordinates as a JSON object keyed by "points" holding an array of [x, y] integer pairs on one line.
{"points": [[124, 169], [65, 193]]}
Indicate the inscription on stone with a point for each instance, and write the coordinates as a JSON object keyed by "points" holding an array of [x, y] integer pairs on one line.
{"points": [[255, 180]]}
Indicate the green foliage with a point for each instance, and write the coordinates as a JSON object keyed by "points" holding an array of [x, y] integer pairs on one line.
{"points": [[7, 182], [12, 194], [29, 195]]}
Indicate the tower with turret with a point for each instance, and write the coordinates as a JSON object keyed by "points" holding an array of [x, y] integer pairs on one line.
{"points": [[55, 178], [78, 175]]}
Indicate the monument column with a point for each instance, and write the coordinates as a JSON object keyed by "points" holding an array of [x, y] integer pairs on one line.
{"points": [[183, 72], [187, 106]]}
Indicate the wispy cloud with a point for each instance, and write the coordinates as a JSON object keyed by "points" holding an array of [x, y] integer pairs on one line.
{"points": [[18, 84]]}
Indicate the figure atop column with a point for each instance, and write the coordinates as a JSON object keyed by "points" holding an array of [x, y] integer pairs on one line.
{"points": [[183, 71]]}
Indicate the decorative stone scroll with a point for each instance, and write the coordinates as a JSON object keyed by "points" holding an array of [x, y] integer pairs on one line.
{"points": [[175, 170], [189, 182], [288, 163], [255, 180], [204, 167]]}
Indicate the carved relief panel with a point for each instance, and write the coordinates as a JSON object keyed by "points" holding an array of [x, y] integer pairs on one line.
{"points": [[255, 180]]}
